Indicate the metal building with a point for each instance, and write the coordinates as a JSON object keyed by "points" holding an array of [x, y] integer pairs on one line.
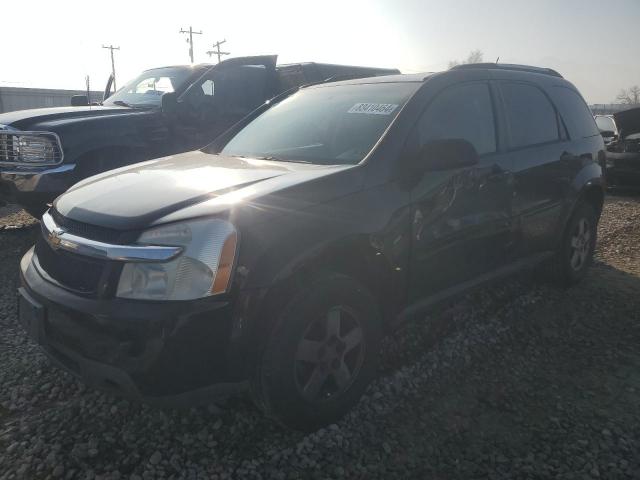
{"points": [[14, 98]]}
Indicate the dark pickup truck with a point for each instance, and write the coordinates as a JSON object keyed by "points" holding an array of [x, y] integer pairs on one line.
{"points": [[161, 112]]}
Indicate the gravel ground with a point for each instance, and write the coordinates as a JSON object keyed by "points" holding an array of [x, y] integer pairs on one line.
{"points": [[517, 381]]}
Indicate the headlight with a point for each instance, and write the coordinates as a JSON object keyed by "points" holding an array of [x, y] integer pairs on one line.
{"points": [[33, 148], [204, 268]]}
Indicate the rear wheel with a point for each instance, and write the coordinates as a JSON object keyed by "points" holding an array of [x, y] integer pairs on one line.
{"points": [[321, 355], [575, 255]]}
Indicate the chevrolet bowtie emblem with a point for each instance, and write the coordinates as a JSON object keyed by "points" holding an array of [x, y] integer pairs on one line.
{"points": [[54, 237]]}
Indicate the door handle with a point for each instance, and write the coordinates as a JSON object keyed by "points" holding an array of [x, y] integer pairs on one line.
{"points": [[497, 173]]}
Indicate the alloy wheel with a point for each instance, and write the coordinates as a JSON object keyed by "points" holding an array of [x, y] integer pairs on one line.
{"points": [[330, 355], [580, 244]]}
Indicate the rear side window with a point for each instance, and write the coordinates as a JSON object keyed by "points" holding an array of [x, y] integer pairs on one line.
{"points": [[531, 116], [574, 112], [462, 112]]}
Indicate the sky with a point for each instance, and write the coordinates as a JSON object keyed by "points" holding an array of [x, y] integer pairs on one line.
{"points": [[54, 44]]}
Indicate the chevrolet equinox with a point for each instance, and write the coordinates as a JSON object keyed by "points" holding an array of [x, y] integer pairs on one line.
{"points": [[278, 256]]}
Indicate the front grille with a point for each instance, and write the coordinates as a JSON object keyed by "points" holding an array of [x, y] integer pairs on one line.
{"points": [[75, 272], [6, 147], [30, 148], [86, 230]]}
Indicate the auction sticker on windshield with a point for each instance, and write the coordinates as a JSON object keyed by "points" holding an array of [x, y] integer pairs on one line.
{"points": [[373, 108]]}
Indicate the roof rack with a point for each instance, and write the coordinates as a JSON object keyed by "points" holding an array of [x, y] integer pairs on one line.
{"points": [[508, 66]]}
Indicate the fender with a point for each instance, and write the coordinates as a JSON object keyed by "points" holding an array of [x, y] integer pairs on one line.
{"points": [[589, 185]]}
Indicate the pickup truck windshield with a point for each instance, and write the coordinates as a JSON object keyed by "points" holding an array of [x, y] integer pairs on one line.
{"points": [[325, 124], [147, 89]]}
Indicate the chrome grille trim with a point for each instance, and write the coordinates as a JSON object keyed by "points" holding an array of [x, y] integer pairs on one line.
{"points": [[58, 238], [10, 157]]}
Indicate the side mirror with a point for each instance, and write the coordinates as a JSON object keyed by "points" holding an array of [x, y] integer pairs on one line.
{"points": [[169, 102], [79, 101], [446, 154]]}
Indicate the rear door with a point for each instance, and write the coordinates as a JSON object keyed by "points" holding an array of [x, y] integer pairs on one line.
{"points": [[222, 96], [461, 218], [537, 143]]}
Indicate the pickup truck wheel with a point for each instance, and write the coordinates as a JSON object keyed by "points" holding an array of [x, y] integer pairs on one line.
{"points": [[36, 210], [578, 244], [321, 355]]}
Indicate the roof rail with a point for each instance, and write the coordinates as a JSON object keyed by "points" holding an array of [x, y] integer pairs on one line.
{"points": [[508, 66]]}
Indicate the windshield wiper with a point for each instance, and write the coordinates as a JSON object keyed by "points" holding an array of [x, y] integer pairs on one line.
{"points": [[276, 159], [122, 103], [271, 158]]}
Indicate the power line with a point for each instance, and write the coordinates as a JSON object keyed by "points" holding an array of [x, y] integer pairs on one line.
{"points": [[113, 65], [190, 40], [217, 50]]}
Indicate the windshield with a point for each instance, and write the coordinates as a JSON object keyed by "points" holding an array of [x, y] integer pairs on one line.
{"points": [[323, 125], [605, 124], [147, 89]]}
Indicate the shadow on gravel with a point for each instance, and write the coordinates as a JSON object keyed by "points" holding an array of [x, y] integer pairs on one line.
{"points": [[518, 380]]}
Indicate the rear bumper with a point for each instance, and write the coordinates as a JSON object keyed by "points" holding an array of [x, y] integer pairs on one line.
{"points": [[35, 185], [163, 353]]}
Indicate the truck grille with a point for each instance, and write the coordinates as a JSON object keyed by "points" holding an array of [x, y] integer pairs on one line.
{"points": [[30, 148]]}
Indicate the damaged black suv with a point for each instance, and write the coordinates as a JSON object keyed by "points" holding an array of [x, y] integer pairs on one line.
{"points": [[278, 256]]}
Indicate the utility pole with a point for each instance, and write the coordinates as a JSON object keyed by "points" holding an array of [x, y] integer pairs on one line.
{"points": [[190, 40], [217, 50], [113, 65]]}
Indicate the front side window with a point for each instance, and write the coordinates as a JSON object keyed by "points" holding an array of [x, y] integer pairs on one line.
{"points": [[147, 89], [326, 124], [461, 112], [235, 90], [531, 116]]}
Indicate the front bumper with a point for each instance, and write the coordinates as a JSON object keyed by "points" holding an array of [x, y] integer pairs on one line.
{"points": [[623, 169], [35, 185], [164, 353]]}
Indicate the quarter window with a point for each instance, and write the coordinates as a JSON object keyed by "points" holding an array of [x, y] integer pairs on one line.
{"points": [[531, 116], [461, 112], [575, 113]]}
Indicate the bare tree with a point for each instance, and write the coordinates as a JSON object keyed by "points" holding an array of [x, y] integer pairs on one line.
{"points": [[630, 96], [475, 56]]}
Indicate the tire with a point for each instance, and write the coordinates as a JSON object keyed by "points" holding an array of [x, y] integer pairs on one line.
{"points": [[36, 210], [575, 255], [321, 354]]}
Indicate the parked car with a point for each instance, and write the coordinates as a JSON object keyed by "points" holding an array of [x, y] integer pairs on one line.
{"points": [[278, 256], [621, 132], [607, 126], [161, 112]]}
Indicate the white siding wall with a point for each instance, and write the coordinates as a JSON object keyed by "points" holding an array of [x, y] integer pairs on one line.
{"points": [[12, 98]]}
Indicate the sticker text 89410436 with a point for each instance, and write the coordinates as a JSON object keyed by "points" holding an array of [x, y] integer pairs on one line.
{"points": [[373, 108]]}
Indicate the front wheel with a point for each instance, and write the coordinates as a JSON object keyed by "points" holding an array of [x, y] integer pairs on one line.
{"points": [[321, 355], [36, 210]]}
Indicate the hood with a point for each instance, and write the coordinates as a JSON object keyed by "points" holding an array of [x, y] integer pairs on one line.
{"points": [[26, 119], [628, 121], [180, 186]]}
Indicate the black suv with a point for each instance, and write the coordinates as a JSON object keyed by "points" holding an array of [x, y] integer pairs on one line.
{"points": [[279, 255], [161, 112]]}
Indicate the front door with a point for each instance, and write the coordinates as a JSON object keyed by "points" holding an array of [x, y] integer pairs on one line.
{"points": [[462, 217], [222, 96]]}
